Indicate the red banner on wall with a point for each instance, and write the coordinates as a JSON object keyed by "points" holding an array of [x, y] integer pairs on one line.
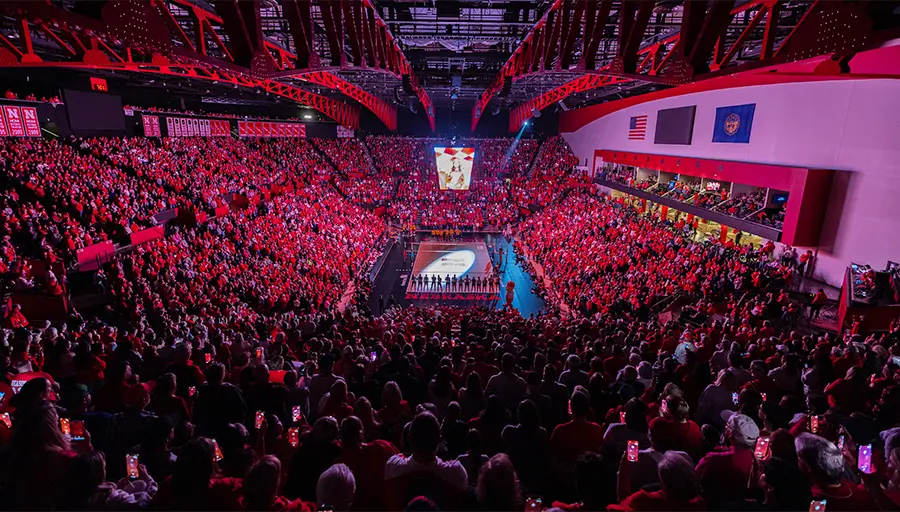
{"points": [[14, 120], [270, 129], [151, 126], [31, 121], [3, 130]]}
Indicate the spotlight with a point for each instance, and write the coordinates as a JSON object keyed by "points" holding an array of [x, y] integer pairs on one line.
{"points": [[526, 123]]}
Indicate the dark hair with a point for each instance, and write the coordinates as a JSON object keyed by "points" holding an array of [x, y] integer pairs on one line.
{"points": [[636, 415], [194, 467], [678, 408], [580, 404], [443, 386], [589, 471], [84, 473], [424, 433], [495, 412], [790, 487], [474, 442], [165, 384], [215, 372], [529, 416], [351, 431]]}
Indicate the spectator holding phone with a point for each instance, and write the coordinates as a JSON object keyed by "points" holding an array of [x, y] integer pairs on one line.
{"points": [[32, 466], [194, 484], [823, 464], [635, 475], [86, 487], [680, 489]]}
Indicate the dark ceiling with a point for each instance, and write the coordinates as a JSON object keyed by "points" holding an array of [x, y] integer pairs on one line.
{"points": [[458, 51]]}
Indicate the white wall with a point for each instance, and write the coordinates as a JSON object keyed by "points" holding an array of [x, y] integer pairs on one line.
{"points": [[845, 125]]}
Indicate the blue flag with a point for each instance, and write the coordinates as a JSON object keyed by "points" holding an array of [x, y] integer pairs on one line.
{"points": [[733, 123]]}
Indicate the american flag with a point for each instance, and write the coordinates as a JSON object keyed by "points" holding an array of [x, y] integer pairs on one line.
{"points": [[637, 128]]}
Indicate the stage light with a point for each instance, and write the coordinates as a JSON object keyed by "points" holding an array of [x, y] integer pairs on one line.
{"points": [[526, 123]]}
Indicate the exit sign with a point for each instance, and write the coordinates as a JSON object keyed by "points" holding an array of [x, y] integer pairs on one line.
{"points": [[99, 84]]}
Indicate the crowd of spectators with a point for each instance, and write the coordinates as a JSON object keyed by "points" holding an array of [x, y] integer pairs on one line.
{"points": [[12, 95], [88, 200], [347, 155], [400, 155], [223, 376], [550, 177], [495, 156], [744, 204], [419, 201], [202, 170]]}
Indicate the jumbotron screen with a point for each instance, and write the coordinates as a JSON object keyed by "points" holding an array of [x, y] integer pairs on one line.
{"points": [[454, 167]]}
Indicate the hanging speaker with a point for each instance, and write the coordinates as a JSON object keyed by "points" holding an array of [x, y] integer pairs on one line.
{"points": [[507, 86], [535, 113]]}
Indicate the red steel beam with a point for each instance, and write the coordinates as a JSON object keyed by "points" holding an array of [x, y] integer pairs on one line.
{"points": [[522, 113]]}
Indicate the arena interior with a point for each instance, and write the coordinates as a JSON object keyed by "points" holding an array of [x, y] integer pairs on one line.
{"points": [[354, 255]]}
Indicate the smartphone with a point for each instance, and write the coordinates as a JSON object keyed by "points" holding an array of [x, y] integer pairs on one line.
{"points": [[762, 448], [817, 506], [259, 419], [632, 451], [259, 352], [865, 459], [294, 436], [219, 455], [841, 440], [64, 426], [296, 413], [621, 417], [534, 504], [763, 395], [6, 420], [734, 398], [814, 424], [192, 391], [77, 428], [2, 396], [207, 357], [131, 465], [373, 356], [663, 406]]}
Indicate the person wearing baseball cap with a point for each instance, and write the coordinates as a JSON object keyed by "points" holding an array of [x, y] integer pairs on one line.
{"points": [[724, 472]]}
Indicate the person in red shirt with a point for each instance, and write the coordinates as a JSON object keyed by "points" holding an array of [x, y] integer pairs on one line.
{"points": [[680, 432], [824, 464], [165, 403], [680, 489], [724, 473], [14, 318], [818, 301], [761, 382], [336, 404], [579, 435], [367, 461], [186, 372], [847, 394]]}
